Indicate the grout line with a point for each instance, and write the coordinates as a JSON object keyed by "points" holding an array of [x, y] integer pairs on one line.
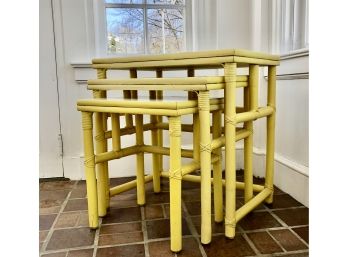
{"points": [[144, 228], [285, 225], [69, 249], [251, 244], [288, 208], [277, 242], [290, 252], [50, 232], [164, 211], [96, 238], [192, 229]]}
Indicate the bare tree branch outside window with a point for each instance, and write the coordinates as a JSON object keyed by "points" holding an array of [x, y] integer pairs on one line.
{"points": [[164, 27]]}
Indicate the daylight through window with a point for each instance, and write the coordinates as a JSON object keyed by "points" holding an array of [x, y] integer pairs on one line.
{"points": [[145, 26]]}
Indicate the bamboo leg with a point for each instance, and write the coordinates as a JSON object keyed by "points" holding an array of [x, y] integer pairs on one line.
{"points": [[230, 149], [101, 178], [191, 95], [116, 132], [155, 157], [140, 160], [248, 148], [271, 101], [101, 146], [91, 182], [159, 96], [205, 148], [106, 164], [217, 170], [196, 137], [128, 117], [175, 177]]}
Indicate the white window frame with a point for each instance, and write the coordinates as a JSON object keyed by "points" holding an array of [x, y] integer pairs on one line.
{"points": [[283, 25], [100, 6]]}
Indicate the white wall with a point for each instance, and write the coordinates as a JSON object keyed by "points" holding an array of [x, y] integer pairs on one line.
{"points": [[216, 24]]}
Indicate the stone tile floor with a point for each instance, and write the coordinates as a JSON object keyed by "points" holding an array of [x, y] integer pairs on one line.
{"points": [[132, 231]]}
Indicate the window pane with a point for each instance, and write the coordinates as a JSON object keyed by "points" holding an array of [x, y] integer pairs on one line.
{"points": [[125, 27], [124, 1], [165, 30], [176, 2]]}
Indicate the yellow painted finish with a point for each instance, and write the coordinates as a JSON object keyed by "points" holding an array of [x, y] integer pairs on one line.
{"points": [[205, 158], [91, 183], [271, 102], [203, 59], [197, 179], [159, 96], [140, 160], [155, 157], [101, 172], [127, 186], [164, 150], [101, 146], [175, 184], [253, 115], [206, 151], [217, 169], [128, 117], [252, 204], [112, 155], [252, 105], [116, 132], [230, 70]]}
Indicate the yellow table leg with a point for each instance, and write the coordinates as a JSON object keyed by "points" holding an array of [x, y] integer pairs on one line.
{"points": [[159, 96], [248, 142], [128, 117], [155, 157], [175, 177], [217, 170], [91, 182], [101, 146], [205, 148], [139, 131], [230, 149], [101, 178], [271, 101]]}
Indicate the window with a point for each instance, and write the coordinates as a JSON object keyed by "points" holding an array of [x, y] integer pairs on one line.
{"points": [[145, 26], [289, 25]]}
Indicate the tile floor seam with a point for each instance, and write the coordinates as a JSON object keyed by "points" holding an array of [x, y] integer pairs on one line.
{"points": [[277, 242], [166, 238], [291, 252], [50, 232], [288, 208], [144, 229], [251, 244], [69, 249], [298, 236], [164, 211], [193, 230], [286, 226], [96, 238], [124, 244]]}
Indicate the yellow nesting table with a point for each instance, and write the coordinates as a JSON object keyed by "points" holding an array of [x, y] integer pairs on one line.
{"points": [[230, 60]]}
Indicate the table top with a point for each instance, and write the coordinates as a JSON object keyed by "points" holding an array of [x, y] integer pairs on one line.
{"points": [[200, 59]]}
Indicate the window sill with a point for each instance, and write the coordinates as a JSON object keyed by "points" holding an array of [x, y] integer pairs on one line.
{"points": [[293, 65], [83, 72]]}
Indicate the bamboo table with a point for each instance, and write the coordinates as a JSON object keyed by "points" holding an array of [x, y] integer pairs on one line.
{"points": [[230, 60]]}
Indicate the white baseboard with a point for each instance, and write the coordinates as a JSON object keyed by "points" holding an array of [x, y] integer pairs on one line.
{"points": [[289, 176]]}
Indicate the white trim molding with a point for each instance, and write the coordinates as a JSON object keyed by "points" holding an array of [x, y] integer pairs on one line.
{"points": [[293, 65]]}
